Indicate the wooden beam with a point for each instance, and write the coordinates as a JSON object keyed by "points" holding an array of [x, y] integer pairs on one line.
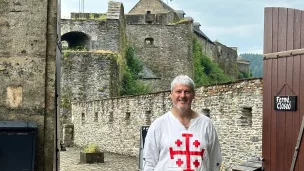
{"points": [[284, 54]]}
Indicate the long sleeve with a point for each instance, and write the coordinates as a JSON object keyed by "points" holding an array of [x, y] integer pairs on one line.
{"points": [[151, 149], [214, 151]]}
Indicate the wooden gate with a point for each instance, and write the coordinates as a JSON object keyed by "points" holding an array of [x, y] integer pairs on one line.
{"points": [[283, 65]]}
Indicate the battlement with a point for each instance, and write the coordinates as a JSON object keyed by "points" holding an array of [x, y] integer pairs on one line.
{"points": [[88, 16], [115, 10]]}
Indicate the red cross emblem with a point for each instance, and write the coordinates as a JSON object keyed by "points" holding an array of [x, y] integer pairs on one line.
{"points": [[187, 153]]}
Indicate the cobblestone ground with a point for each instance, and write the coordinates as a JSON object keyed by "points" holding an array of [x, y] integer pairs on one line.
{"points": [[69, 161]]}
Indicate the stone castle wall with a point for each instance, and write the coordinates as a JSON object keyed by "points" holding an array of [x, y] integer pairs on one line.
{"points": [[170, 52], [102, 34], [87, 76], [27, 71], [235, 109], [208, 48], [243, 66], [227, 59]]}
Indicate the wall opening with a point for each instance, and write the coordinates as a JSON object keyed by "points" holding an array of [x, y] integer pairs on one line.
{"points": [[206, 112], [149, 18], [96, 117], [246, 116], [76, 41], [128, 118], [111, 117], [149, 41], [148, 117], [82, 118]]}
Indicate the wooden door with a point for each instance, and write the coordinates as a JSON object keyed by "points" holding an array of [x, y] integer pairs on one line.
{"points": [[283, 33]]}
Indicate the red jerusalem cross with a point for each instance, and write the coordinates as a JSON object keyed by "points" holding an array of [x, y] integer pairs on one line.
{"points": [[187, 152]]}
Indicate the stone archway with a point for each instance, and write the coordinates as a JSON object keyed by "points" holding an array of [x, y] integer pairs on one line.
{"points": [[77, 40]]}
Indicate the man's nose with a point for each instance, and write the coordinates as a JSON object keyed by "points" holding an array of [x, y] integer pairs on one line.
{"points": [[183, 94]]}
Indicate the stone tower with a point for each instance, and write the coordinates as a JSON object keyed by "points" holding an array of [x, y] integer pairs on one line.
{"points": [[27, 71], [162, 43]]}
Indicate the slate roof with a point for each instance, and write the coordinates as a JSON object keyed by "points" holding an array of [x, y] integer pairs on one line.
{"points": [[167, 7]]}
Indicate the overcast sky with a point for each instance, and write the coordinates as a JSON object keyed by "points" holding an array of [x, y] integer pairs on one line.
{"points": [[235, 23]]}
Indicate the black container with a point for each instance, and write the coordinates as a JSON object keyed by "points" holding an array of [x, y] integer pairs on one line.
{"points": [[17, 145]]}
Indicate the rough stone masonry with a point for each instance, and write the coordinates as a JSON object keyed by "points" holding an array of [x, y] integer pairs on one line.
{"points": [[235, 109], [27, 70]]}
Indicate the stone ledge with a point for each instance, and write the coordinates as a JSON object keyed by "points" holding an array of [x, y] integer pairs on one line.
{"points": [[254, 164]]}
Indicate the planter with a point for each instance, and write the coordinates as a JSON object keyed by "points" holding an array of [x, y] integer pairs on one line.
{"points": [[97, 157]]}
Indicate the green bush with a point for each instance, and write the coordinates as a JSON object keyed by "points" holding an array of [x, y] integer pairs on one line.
{"points": [[131, 84], [206, 71], [244, 75]]}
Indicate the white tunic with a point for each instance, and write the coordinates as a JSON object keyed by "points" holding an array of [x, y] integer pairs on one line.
{"points": [[171, 147]]}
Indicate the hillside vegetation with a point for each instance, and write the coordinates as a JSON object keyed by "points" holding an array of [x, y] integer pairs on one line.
{"points": [[256, 64]]}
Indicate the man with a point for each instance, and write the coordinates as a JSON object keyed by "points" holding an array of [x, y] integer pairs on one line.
{"points": [[182, 139]]}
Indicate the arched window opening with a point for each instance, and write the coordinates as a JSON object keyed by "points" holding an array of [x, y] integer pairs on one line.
{"points": [[76, 41]]}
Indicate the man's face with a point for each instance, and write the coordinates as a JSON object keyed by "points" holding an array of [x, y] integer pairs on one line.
{"points": [[182, 97]]}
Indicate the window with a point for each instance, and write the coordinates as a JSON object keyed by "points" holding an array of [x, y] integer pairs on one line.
{"points": [[246, 116], [96, 117], [76, 40], [111, 118], [127, 118], [148, 117], [149, 18], [149, 41], [82, 118]]}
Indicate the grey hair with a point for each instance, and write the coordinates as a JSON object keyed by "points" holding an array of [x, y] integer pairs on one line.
{"points": [[183, 80]]}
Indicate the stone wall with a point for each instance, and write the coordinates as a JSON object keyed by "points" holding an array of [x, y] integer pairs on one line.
{"points": [[235, 109], [208, 48], [87, 76], [165, 49], [161, 18], [243, 66], [27, 70], [103, 34], [227, 59]]}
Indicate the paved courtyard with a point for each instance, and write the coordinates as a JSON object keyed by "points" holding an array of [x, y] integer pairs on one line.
{"points": [[69, 161]]}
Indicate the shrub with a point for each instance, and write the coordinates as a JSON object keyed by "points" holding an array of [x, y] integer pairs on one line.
{"points": [[206, 71], [91, 148], [131, 84]]}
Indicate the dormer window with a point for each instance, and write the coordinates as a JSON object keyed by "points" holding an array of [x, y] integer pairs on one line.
{"points": [[149, 18]]}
